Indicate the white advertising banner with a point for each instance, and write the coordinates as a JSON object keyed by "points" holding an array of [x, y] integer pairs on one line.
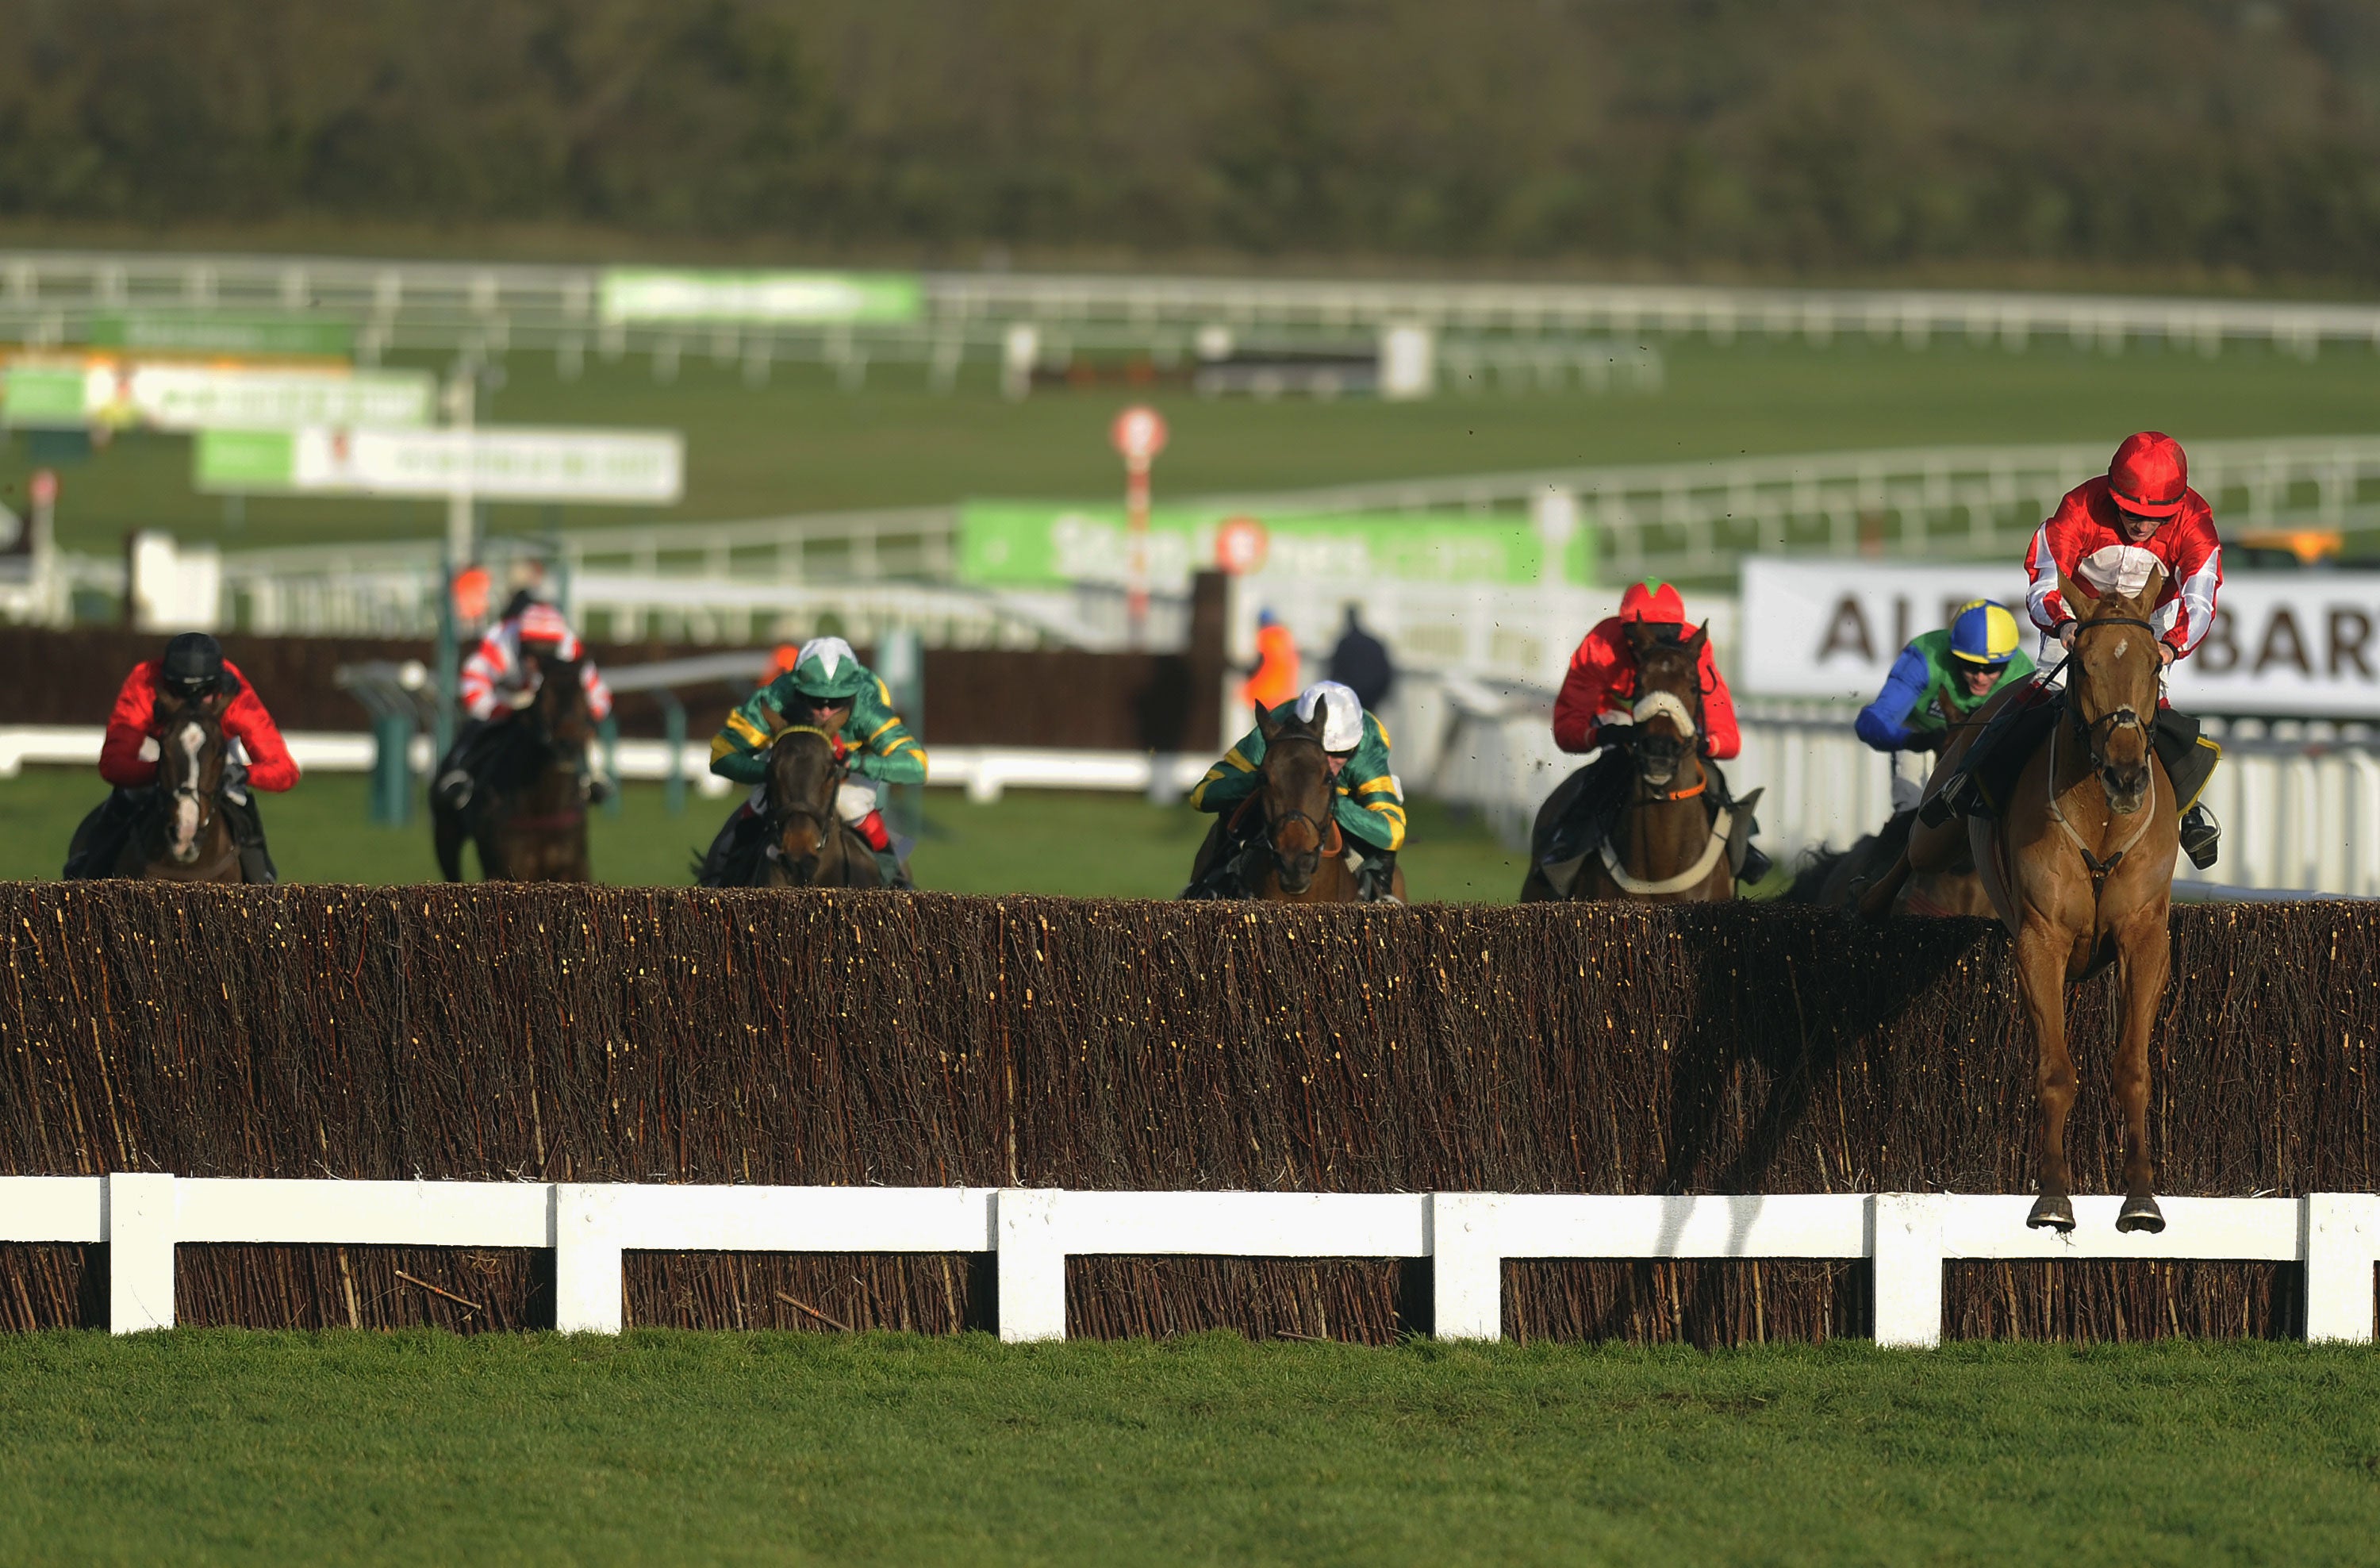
{"points": [[619, 468], [190, 397], [2303, 643]]}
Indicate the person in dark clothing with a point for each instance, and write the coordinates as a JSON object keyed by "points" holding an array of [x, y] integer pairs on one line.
{"points": [[1360, 662]]}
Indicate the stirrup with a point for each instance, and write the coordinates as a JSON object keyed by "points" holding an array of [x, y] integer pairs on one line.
{"points": [[2201, 837], [1947, 802], [455, 787]]}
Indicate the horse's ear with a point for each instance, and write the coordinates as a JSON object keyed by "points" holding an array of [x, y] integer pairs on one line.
{"points": [[2078, 602], [2151, 591], [1266, 725], [1640, 636], [1700, 640], [215, 702]]}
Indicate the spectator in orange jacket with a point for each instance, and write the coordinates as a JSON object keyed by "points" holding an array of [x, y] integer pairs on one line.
{"points": [[1275, 679]]}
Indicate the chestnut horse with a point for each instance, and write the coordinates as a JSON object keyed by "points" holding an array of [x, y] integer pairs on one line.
{"points": [[2079, 867], [1665, 847], [528, 818], [184, 837], [1303, 852]]}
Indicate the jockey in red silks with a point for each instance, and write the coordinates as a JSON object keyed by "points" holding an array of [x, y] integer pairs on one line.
{"points": [[501, 675], [192, 666], [1594, 709], [1602, 678], [2107, 535]]}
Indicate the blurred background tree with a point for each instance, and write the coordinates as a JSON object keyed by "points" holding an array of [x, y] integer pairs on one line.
{"points": [[2229, 141]]}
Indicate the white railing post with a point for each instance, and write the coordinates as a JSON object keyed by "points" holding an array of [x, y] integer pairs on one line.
{"points": [[1031, 1265], [140, 1226], [1466, 1265], [2342, 1246], [587, 1286], [1905, 1248]]}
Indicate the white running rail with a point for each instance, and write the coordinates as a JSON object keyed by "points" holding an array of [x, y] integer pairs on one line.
{"points": [[44, 295], [1467, 1237]]}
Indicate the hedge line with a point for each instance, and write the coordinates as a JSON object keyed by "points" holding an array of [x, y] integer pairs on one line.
{"points": [[651, 1035]]}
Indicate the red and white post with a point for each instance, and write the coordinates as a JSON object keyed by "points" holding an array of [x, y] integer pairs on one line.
{"points": [[1138, 434]]}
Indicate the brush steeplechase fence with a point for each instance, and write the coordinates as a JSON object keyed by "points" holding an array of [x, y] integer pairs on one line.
{"points": [[692, 1048], [1030, 1233]]}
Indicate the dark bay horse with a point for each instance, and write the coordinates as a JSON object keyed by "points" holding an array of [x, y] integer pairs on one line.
{"points": [[185, 836], [529, 818], [2079, 867], [1300, 858], [1665, 847], [807, 845]]}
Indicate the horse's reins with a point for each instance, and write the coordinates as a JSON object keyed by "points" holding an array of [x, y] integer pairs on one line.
{"points": [[1326, 832], [2100, 869], [1651, 705], [779, 810]]}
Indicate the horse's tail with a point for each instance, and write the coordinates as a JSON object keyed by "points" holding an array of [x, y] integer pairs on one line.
{"points": [[1809, 882]]}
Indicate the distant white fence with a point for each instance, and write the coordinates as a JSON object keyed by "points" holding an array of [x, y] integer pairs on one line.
{"points": [[46, 295], [1467, 1237]]}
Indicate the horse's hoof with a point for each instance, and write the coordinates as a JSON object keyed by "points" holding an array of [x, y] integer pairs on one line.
{"points": [[2141, 1214], [2054, 1213]]}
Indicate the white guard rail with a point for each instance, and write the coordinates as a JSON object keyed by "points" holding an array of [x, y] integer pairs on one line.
{"points": [[46, 294], [2298, 815], [984, 772], [1467, 1237]]}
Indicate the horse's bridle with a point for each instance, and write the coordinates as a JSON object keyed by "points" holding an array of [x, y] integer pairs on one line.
{"points": [[2095, 736], [779, 810], [1656, 702], [1325, 829]]}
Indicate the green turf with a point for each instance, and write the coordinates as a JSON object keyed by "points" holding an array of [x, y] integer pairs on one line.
{"points": [[800, 444], [781, 1448], [1083, 845]]}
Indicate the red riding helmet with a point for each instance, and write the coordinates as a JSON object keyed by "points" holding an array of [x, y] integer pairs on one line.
{"points": [[2150, 475], [1654, 602]]}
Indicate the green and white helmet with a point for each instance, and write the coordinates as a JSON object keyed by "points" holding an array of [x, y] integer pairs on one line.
{"points": [[828, 670]]}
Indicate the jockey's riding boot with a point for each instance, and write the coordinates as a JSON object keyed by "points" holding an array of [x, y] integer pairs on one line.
{"points": [[896, 875], [1755, 865], [598, 788], [1376, 880], [2200, 835], [452, 789]]}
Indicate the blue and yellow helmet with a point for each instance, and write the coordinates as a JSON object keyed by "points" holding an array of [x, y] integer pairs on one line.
{"points": [[1983, 633]]}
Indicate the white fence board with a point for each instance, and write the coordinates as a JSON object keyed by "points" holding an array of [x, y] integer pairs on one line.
{"points": [[1467, 1237]]}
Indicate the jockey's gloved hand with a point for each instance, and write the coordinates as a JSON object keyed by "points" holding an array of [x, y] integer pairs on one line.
{"points": [[1926, 740]]}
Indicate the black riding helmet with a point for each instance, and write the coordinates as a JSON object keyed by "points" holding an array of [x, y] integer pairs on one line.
{"points": [[193, 665]]}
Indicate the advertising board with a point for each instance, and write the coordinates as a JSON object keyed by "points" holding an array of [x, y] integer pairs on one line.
{"points": [[2283, 643], [1040, 544], [618, 467], [219, 332], [84, 393], [645, 294]]}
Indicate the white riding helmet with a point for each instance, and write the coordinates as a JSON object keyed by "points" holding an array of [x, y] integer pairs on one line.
{"points": [[1343, 714]]}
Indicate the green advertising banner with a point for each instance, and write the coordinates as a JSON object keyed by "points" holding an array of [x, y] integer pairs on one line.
{"points": [[1041, 545], [43, 397], [212, 332], [648, 294], [244, 461]]}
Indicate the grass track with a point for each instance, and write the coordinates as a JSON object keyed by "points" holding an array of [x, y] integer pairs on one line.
{"points": [[1088, 845], [660, 1446]]}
